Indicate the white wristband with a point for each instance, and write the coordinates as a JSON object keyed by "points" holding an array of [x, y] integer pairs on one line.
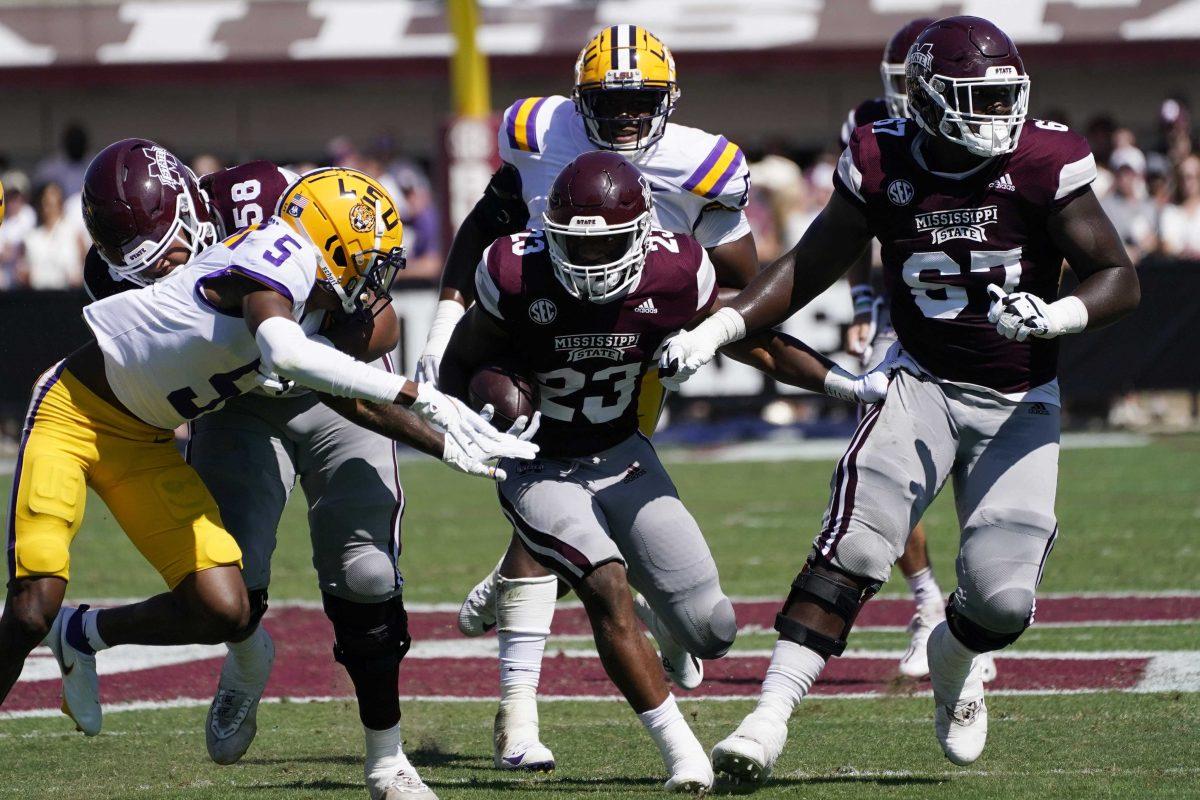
{"points": [[1068, 315], [840, 384], [448, 313], [722, 328]]}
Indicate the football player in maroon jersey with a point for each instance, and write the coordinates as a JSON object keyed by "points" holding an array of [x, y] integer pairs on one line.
{"points": [[975, 208], [585, 305], [870, 335]]}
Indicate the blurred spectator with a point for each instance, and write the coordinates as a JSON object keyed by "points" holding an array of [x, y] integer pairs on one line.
{"points": [[54, 250], [19, 220], [206, 163], [1180, 224], [1099, 133], [778, 194], [1132, 213], [1175, 129], [1158, 181], [66, 167]]}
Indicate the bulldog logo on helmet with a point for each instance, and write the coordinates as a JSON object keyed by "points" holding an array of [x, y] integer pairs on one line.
{"points": [[362, 217]]}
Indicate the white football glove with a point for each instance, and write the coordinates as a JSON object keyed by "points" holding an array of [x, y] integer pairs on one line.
{"points": [[472, 459], [470, 438], [868, 388], [687, 351], [273, 384], [448, 313], [1019, 315]]}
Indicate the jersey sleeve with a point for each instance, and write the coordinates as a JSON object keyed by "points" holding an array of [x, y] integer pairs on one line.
{"points": [[723, 177], [718, 226], [275, 256], [487, 283], [1076, 169], [524, 127], [848, 178], [706, 283]]}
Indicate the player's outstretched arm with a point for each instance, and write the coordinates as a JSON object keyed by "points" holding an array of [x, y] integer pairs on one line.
{"points": [[830, 245], [500, 212], [1108, 284], [789, 360]]}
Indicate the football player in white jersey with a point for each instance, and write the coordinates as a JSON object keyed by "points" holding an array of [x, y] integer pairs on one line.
{"points": [[167, 354], [624, 93]]}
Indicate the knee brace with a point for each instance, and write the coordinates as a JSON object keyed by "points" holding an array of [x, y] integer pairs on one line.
{"points": [[974, 635], [833, 591], [372, 637], [258, 607]]}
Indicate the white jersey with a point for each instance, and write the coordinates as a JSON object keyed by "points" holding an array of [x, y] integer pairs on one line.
{"points": [[701, 183], [171, 356]]}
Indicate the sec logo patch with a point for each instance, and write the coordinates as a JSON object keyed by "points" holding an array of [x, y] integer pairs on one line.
{"points": [[900, 192], [542, 311]]}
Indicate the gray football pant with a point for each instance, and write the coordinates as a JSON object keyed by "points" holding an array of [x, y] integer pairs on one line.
{"points": [[1003, 458], [576, 514], [251, 452]]}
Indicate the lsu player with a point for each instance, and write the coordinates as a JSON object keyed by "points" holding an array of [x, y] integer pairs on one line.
{"points": [[624, 94], [568, 301], [169, 353], [252, 450], [976, 207], [870, 335]]}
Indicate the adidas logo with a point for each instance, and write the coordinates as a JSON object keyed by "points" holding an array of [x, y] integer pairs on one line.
{"points": [[1003, 182], [646, 307], [1038, 408]]}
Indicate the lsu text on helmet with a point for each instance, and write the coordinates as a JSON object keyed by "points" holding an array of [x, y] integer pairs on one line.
{"points": [[625, 88], [597, 226], [354, 224], [967, 84]]}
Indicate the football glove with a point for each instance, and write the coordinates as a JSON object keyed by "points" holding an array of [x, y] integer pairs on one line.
{"points": [[473, 460], [868, 388], [470, 438], [275, 385], [687, 351], [1019, 315]]}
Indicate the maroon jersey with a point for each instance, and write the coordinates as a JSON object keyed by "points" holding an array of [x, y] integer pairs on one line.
{"points": [[238, 197], [589, 358], [945, 238], [864, 113], [244, 195]]}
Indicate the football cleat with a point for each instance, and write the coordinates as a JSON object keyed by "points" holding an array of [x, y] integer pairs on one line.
{"points": [[915, 661], [960, 715], [524, 757], [516, 744], [684, 669], [692, 775], [744, 759], [477, 614], [233, 715], [80, 683], [397, 779]]}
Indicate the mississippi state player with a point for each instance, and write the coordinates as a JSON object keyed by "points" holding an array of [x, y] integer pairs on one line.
{"points": [[625, 91], [870, 335], [585, 304], [975, 208], [351, 215]]}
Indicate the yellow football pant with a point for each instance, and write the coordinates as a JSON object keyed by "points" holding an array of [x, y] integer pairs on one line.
{"points": [[651, 402], [72, 440]]}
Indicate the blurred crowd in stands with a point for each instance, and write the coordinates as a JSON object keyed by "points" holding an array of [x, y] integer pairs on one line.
{"points": [[1149, 184]]}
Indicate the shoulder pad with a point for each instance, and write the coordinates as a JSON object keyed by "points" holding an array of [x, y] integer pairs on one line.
{"points": [[98, 280], [722, 177], [526, 123]]}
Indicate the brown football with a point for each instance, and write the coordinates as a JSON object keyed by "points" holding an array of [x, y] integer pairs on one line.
{"points": [[507, 388]]}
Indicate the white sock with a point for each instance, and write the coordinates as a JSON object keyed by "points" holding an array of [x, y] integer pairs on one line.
{"points": [[925, 589], [794, 668], [670, 732], [384, 750], [524, 611], [248, 660], [90, 632], [950, 664]]}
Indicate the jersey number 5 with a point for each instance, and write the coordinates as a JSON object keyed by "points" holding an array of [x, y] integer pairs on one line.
{"points": [[225, 384], [943, 301]]}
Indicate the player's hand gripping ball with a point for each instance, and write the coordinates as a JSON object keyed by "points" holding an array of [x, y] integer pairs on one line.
{"points": [[506, 389]]}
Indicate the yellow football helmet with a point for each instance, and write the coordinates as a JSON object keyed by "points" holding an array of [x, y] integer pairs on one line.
{"points": [[625, 88], [354, 223]]}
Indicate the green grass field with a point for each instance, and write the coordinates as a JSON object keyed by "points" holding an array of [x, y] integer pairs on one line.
{"points": [[1129, 520]]}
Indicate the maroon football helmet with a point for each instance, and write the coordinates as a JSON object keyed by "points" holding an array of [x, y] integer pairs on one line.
{"points": [[967, 84], [139, 201], [597, 225], [891, 69]]}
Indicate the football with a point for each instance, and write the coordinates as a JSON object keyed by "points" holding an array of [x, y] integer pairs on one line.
{"points": [[506, 387]]}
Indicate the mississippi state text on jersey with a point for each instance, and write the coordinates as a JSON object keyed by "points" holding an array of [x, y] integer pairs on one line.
{"points": [[688, 170], [945, 237], [589, 358]]}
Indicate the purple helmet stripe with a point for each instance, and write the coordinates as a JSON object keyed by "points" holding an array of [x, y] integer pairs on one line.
{"points": [[708, 163]]}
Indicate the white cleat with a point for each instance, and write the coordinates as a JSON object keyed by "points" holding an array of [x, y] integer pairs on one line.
{"points": [[960, 714], [691, 775], [744, 759], [233, 715], [80, 683], [516, 745], [477, 614], [915, 661], [397, 781], [987, 667], [524, 757], [684, 669]]}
